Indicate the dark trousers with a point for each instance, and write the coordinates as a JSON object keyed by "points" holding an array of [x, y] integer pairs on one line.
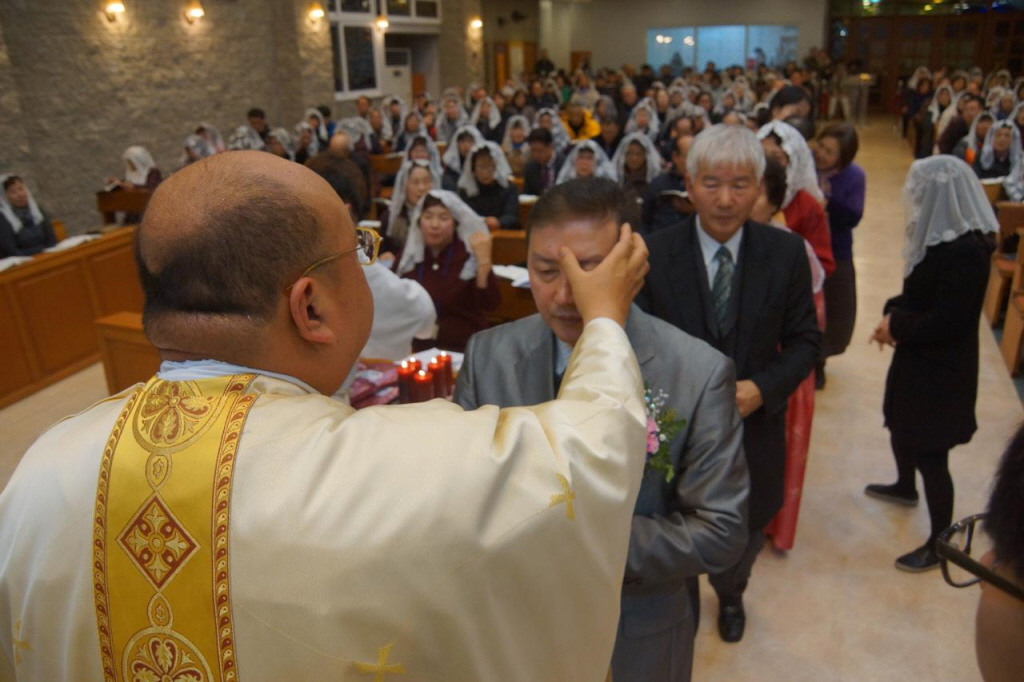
{"points": [[938, 484], [731, 583], [840, 308]]}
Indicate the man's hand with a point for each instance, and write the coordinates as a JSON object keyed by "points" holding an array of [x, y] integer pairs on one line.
{"points": [[882, 336], [748, 397], [609, 289]]}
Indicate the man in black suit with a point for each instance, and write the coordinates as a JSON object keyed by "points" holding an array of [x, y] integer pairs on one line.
{"points": [[542, 169], [745, 288]]}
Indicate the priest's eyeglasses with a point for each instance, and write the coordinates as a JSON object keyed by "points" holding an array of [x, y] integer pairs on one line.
{"points": [[368, 246], [960, 548]]}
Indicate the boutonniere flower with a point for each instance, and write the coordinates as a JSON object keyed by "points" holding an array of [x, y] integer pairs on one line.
{"points": [[662, 427]]}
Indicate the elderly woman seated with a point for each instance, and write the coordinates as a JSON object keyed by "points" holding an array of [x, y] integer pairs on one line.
{"points": [[24, 228], [485, 186]]}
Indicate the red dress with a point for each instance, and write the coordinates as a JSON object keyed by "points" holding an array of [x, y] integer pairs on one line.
{"points": [[461, 305], [806, 217]]}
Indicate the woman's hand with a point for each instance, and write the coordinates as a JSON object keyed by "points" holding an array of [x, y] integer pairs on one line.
{"points": [[482, 245], [882, 336]]}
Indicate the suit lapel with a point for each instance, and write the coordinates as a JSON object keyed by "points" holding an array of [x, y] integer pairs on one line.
{"points": [[755, 277], [638, 331], [535, 369]]}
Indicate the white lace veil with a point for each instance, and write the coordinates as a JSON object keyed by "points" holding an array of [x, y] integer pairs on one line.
{"points": [[943, 200], [651, 155], [466, 223], [445, 128], [451, 153], [514, 121], [558, 131], [502, 170], [972, 136], [143, 162], [652, 127], [397, 201], [800, 172], [493, 119], [8, 211], [603, 167]]}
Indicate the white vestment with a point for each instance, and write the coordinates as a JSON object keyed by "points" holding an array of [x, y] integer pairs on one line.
{"points": [[447, 545]]}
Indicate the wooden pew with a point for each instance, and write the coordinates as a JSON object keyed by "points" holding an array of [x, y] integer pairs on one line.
{"points": [[123, 201], [386, 164], [1001, 273], [128, 356], [509, 247]]}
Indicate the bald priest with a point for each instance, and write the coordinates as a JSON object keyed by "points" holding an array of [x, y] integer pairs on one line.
{"points": [[229, 521]]}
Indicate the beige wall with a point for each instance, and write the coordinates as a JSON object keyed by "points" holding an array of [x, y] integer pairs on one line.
{"points": [[76, 89]]}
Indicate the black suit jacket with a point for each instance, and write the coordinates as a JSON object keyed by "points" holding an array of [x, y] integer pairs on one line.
{"points": [[533, 179], [771, 334]]}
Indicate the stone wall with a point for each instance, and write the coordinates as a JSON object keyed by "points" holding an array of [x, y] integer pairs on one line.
{"points": [[76, 89]]}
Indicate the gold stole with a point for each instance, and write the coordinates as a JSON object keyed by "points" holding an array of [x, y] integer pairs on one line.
{"points": [[160, 537]]}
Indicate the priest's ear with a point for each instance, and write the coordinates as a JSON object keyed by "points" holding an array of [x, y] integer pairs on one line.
{"points": [[307, 305]]}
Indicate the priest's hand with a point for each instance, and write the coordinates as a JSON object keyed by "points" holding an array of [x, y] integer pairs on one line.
{"points": [[609, 289]]}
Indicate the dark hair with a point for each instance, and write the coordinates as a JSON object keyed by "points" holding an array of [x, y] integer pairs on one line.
{"points": [[542, 135], [324, 110], [255, 235], [256, 112], [791, 94], [464, 135], [774, 182], [1004, 522], [10, 180], [804, 126], [846, 135], [969, 97], [417, 141], [482, 151], [592, 198]]}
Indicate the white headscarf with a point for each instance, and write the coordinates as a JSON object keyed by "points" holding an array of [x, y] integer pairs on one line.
{"points": [[321, 128], [933, 106], [358, 129], [451, 157], [603, 167], [143, 162], [493, 119], [212, 135], [282, 136], [199, 146], [246, 137], [403, 134], [652, 127], [445, 128], [651, 155], [314, 144], [558, 131], [515, 121], [433, 154], [8, 211], [397, 202], [988, 154], [800, 172], [948, 115], [919, 73], [943, 199], [502, 170], [466, 223], [386, 131], [972, 136]]}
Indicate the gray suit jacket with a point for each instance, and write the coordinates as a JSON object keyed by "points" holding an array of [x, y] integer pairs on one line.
{"points": [[694, 525]]}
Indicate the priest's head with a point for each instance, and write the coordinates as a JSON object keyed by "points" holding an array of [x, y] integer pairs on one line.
{"points": [[252, 259], [586, 216]]}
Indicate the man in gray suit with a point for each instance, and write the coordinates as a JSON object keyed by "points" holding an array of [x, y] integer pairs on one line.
{"points": [[693, 524]]}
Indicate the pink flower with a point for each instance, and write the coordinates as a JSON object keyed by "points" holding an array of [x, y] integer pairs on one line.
{"points": [[652, 436]]}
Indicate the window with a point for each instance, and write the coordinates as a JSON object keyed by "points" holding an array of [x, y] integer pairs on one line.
{"points": [[725, 45]]}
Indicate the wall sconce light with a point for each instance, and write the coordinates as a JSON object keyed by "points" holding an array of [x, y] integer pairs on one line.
{"points": [[476, 23], [113, 9], [382, 22], [316, 11], [194, 11]]}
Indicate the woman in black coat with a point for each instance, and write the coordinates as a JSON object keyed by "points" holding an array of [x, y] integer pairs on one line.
{"points": [[933, 380]]}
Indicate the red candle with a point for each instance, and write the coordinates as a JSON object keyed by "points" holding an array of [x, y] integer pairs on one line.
{"points": [[414, 363], [405, 374], [422, 386], [446, 361], [436, 367]]}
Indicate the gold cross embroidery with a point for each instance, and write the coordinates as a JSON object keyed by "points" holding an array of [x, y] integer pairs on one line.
{"points": [[19, 644], [382, 667], [567, 496]]}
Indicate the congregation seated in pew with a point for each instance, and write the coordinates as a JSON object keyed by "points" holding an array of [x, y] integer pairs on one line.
{"points": [[25, 229]]}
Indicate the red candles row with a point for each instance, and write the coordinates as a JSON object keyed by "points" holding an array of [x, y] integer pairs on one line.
{"points": [[417, 384]]}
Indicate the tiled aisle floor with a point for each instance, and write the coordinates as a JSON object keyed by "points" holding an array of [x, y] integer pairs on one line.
{"points": [[834, 608]]}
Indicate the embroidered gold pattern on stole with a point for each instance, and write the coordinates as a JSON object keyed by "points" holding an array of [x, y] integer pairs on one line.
{"points": [[172, 534]]}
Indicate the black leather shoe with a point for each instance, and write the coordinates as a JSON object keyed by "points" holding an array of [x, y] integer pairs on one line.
{"points": [[731, 621], [920, 560], [889, 493]]}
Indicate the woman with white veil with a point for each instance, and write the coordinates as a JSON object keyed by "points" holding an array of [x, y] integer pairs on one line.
{"points": [[1000, 153], [487, 118], [449, 251], [24, 229], [454, 158], [636, 162], [804, 202], [932, 384], [643, 119], [451, 117], [549, 118], [486, 186], [392, 111], [414, 180], [514, 144], [586, 159]]}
